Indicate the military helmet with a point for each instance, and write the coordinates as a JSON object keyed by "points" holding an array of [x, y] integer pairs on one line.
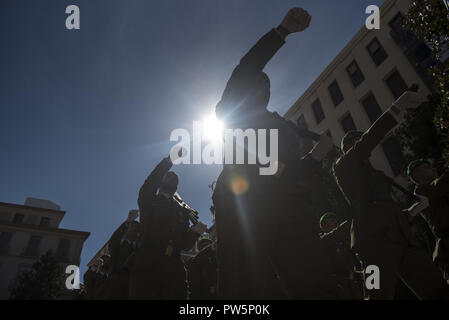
{"points": [[414, 164], [204, 239], [326, 216], [350, 136]]}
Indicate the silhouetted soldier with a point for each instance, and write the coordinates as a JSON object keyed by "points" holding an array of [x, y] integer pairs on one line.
{"points": [[91, 279], [346, 265], [158, 272], [436, 206], [265, 228], [380, 232], [103, 284], [121, 247], [202, 272]]}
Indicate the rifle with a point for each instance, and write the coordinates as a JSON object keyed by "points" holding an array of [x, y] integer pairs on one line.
{"points": [[191, 213]]}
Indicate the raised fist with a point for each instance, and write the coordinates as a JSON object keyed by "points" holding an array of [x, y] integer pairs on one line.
{"points": [[408, 100], [296, 20]]}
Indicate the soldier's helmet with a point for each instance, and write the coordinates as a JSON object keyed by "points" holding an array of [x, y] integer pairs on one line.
{"points": [[328, 222], [415, 164], [349, 139], [421, 172], [203, 242]]}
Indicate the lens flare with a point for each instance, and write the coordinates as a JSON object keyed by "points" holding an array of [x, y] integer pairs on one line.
{"points": [[239, 186], [212, 129]]}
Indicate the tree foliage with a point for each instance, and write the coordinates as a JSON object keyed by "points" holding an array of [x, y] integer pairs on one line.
{"points": [[418, 135], [429, 20], [44, 281]]}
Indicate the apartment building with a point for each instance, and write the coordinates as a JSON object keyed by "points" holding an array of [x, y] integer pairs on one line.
{"points": [[362, 81], [29, 231]]}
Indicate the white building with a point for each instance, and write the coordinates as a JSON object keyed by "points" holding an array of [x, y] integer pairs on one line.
{"points": [[362, 81], [27, 232]]}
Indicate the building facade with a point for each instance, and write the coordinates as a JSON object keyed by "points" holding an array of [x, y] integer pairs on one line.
{"points": [[27, 232], [363, 80]]}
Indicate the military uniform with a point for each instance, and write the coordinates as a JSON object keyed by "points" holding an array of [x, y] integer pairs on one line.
{"points": [[346, 265], [157, 271], [202, 274], [91, 280], [380, 232], [103, 283], [122, 251], [265, 224], [437, 216]]}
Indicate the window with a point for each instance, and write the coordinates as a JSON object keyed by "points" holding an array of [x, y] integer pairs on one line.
{"points": [[63, 249], [318, 111], [5, 238], [301, 122], [396, 84], [355, 74], [397, 23], [377, 52], [335, 92], [18, 218], [45, 222], [371, 107], [392, 149], [347, 123], [422, 52], [33, 246]]}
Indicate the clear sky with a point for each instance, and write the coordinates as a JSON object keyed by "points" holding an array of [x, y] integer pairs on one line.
{"points": [[85, 115]]}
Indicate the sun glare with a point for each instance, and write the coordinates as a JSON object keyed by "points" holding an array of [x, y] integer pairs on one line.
{"points": [[212, 129]]}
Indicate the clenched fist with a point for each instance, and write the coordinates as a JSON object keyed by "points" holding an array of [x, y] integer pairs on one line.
{"points": [[296, 20]]}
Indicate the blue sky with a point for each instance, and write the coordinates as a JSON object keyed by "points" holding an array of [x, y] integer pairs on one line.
{"points": [[85, 115]]}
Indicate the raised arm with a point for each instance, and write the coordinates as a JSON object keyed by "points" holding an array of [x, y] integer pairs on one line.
{"points": [[388, 121], [148, 190], [249, 70], [296, 20]]}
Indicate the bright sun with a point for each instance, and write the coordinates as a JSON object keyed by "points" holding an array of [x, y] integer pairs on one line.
{"points": [[212, 129]]}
